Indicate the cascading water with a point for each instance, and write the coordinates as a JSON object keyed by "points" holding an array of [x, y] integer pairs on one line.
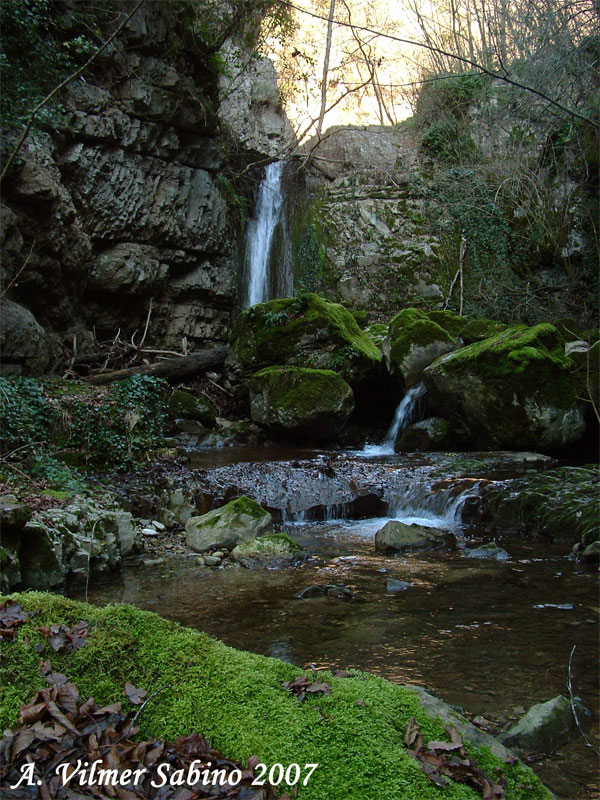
{"points": [[259, 284], [405, 415]]}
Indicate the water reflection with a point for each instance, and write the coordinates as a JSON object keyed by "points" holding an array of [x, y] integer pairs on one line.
{"points": [[488, 636]]}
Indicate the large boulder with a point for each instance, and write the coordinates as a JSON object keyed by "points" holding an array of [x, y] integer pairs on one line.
{"points": [[396, 536], [238, 521], [413, 341], [513, 390], [24, 346], [301, 331], [303, 403]]}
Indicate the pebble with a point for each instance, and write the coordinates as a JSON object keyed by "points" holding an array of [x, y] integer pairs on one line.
{"points": [[149, 532], [212, 561], [158, 525]]}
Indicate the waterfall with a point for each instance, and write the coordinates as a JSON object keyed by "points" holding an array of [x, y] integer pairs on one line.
{"points": [[405, 415], [434, 506], [259, 284]]}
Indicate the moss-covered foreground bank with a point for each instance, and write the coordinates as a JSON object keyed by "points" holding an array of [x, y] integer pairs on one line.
{"points": [[355, 734]]}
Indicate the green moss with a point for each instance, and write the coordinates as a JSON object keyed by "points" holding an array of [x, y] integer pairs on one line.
{"points": [[515, 350], [237, 700], [300, 390], [478, 329], [413, 327], [189, 406], [448, 320], [377, 333], [563, 503], [246, 505], [307, 324]]}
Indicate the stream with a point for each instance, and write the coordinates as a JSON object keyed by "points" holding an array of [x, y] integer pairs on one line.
{"points": [[491, 637]]}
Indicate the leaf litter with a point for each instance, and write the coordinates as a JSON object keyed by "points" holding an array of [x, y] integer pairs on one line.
{"points": [[441, 760], [56, 728]]}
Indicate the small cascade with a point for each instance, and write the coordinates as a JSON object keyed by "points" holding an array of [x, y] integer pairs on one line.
{"points": [[437, 507], [406, 413], [259, 282]]}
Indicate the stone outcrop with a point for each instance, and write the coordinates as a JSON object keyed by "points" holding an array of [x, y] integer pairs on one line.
{"points": [[121, 215], [46, 549]]}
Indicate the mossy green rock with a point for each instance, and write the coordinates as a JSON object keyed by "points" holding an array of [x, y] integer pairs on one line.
{"points": [[377, 333], [413, 341], [514, 390], [452, 323], [312, 404], [396, 536], [302, 331], [479, 329], [184, 405], [240, 520], [237, 700], [272, 550]]}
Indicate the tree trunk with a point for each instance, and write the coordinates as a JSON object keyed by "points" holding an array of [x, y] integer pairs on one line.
{"points": [[171, 368]]}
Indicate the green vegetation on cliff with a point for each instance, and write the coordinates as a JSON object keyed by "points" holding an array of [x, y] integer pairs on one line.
{"points": [[238, 701]]}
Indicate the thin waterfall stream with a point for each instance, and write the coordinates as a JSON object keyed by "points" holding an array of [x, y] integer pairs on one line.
{"points": [[405, 414], [261, 282]]}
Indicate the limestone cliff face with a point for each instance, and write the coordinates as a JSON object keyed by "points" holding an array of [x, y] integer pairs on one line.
{"points": [[124, 207]]}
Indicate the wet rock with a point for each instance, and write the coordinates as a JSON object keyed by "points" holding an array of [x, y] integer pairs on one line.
{"points": [[591, 554], [396, 536], [272, 550], [544, 727], [337, 590], [184, 405], [212, 561], [312, 404], [436, 708], [239, 520], [489, 550], [514, 390], [413, 341], [428, 434], [393, 586]]}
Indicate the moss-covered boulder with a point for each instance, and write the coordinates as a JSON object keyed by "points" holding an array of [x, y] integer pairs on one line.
{"points": [[397, 537], [185, 405], [452, 323], [476, 330], [238, 701], [272, 550], [514, 390], [312, 404], [305, 331], [413, 341], [238, 521]]}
